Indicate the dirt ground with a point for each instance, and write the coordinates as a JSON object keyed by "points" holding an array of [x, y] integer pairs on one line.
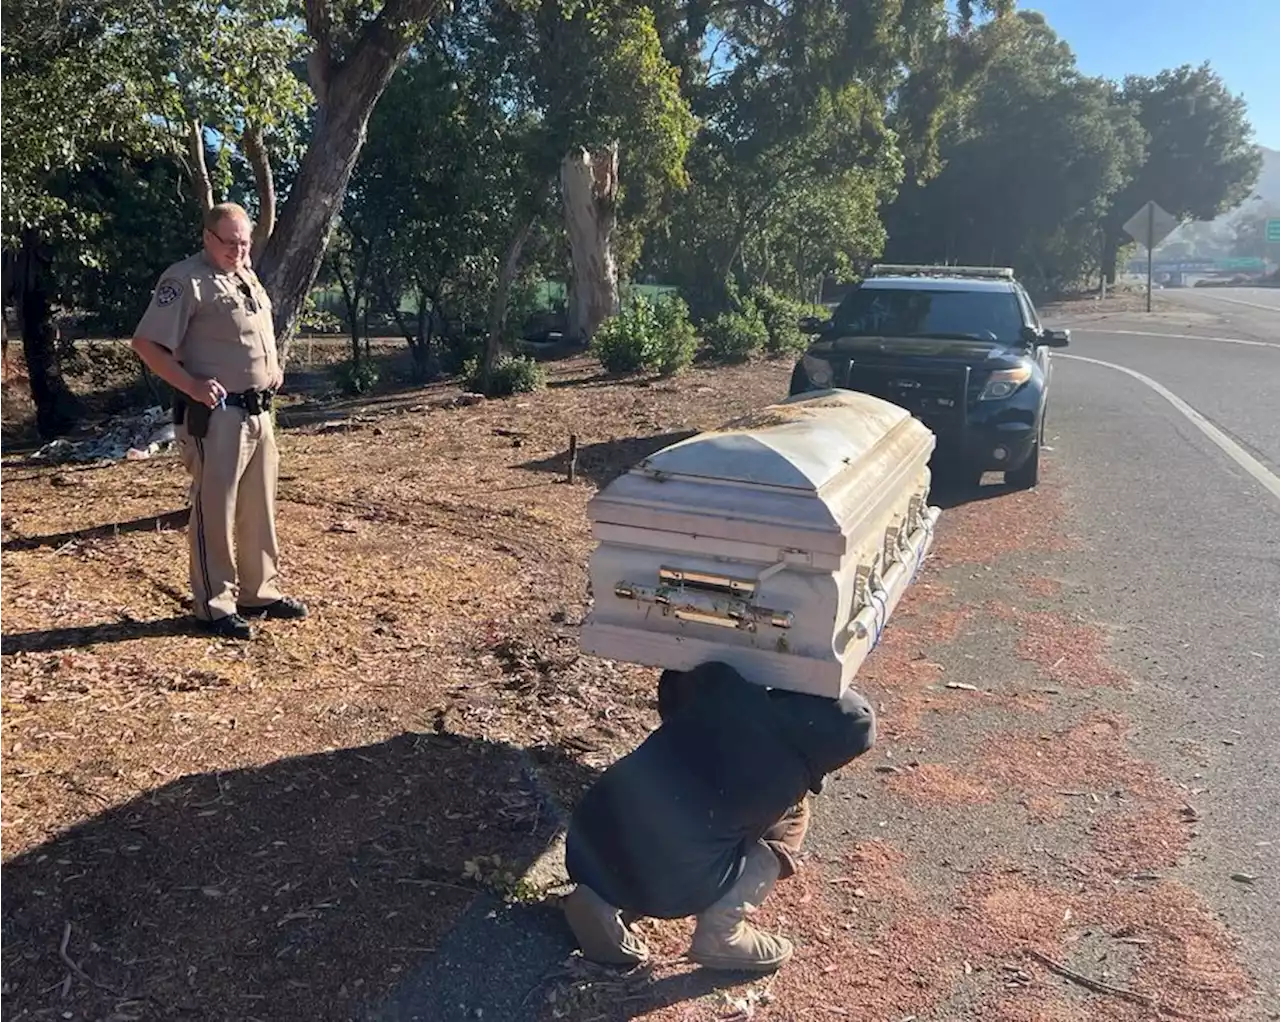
{"points": [[285, 829], [188, 805]]}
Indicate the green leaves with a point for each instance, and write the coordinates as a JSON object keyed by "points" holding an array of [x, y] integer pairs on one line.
{"points": [[132, 74], [1201, 160], [70, 84], [1027, 170], [811, 116]]}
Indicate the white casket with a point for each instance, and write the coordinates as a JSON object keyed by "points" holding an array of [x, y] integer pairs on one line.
{"points": [[779, 543]]}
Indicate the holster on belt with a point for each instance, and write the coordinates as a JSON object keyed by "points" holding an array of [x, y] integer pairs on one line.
{"points": [[198, 415]]}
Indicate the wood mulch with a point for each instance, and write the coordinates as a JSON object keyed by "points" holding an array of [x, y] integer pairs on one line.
{"points": [[240, 830]]}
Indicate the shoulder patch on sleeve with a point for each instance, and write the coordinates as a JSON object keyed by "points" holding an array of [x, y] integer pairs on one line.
{"points": [[168, 292]]}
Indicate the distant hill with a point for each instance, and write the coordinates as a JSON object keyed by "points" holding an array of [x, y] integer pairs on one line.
{"points": [[1268, 185], [1213, 238]]}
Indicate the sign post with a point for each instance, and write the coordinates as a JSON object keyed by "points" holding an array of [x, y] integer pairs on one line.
{"points": [[1273, 230], [1150, 226]]}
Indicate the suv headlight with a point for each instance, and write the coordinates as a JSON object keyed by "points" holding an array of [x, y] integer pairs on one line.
{"points": [[819, 371], [1004, 382]]}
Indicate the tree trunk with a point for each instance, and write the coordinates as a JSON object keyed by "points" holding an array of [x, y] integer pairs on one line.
{"points": [[502, 294], [57, 409], [255, 151], [589, 183], [199, 167], [1110, 253], [417, 335], [8, 278], [346, 93], [426, 362], [384, 296], [351, 299]]}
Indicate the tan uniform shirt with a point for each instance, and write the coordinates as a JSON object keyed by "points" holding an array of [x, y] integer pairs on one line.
{"points": [[218, 325]]}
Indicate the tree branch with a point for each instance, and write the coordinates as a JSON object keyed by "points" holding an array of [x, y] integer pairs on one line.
{"points": [[199, 167], [255, 152], [320, 60]]}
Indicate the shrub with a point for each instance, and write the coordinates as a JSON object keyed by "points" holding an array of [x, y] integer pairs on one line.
{"points": [[782, 317], [677, 340], [512, 374], [736, 336], [624, 343], [658, 337], [355, 377]]}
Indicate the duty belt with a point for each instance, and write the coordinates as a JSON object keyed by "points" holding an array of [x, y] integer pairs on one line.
{"points": [[255, 402]]}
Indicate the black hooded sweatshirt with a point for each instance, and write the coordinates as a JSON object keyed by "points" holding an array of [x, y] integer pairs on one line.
{"points": [[664, 831]]}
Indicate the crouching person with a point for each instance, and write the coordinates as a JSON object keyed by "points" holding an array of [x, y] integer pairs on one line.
{"points": [[705, 816]]}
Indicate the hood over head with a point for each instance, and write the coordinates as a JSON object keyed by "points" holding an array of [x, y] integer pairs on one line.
{"points": [[828, 733]]}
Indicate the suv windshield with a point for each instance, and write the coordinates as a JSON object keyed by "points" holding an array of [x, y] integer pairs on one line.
{"points": [[912, 312]]}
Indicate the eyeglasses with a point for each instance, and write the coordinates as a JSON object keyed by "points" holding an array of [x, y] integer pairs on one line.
{"points": [[233, 243]]}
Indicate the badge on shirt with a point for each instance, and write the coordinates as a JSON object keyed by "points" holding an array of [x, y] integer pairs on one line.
{"points": [[167, 293]]}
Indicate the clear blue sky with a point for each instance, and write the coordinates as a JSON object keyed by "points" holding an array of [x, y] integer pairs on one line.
{"points": [[1240, 38]]}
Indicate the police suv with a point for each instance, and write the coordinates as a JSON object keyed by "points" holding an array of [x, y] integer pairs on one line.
{"points": [[960, 347]]}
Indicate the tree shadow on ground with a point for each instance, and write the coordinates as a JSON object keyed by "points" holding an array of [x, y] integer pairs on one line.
{"points": [[308, 888], [48, 640], [604, 462], [606, 379], [147, 523]]}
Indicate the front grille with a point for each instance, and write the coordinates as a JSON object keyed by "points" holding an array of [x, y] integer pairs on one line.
{"points": [[934, 396]]}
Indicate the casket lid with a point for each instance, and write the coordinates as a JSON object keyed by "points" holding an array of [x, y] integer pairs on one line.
{"points": [[799, 475], [800, 444]]}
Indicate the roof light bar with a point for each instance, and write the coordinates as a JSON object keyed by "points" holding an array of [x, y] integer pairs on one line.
{"points": [[909, 270]]}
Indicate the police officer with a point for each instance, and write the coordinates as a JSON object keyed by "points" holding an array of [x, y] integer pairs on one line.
{"points": [[208, 333]]}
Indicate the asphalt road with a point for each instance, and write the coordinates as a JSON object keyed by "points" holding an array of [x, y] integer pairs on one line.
{"points": [[1186, 562]]}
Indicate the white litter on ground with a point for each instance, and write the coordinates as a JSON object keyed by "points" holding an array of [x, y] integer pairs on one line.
{"points": [[121, 438]]}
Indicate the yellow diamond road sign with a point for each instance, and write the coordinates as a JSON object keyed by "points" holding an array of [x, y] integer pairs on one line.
{"points": [[1150, 225]]}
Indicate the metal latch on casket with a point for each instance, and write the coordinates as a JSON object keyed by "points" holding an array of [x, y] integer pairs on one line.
{"points": [[706, 598]]}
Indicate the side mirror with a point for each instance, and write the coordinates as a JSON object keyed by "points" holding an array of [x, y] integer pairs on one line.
{"points": [[813, 325], [1057, 338]]}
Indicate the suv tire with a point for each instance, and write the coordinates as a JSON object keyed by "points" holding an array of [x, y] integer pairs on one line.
{"points": [[1027, 475]]}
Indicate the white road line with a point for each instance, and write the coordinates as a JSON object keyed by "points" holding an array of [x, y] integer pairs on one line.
{"points": [[1176, 337], [1241, 301], [1238, 454]]}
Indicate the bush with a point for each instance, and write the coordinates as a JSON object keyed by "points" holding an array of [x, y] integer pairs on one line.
{"points": [[657, 337], [512, 374], [355, 377], [736, 336], [782, 317], [625, 343], [677, 340]]}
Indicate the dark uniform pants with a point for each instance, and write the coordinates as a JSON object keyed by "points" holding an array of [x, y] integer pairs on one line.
{"points": [[232, 532]]}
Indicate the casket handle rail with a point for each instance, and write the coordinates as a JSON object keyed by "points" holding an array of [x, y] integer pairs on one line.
{"points": [[705, 598], [873, 610]]}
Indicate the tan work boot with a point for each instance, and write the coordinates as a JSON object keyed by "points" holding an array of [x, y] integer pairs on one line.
{"points": [[600, 931], [724, 939]]}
